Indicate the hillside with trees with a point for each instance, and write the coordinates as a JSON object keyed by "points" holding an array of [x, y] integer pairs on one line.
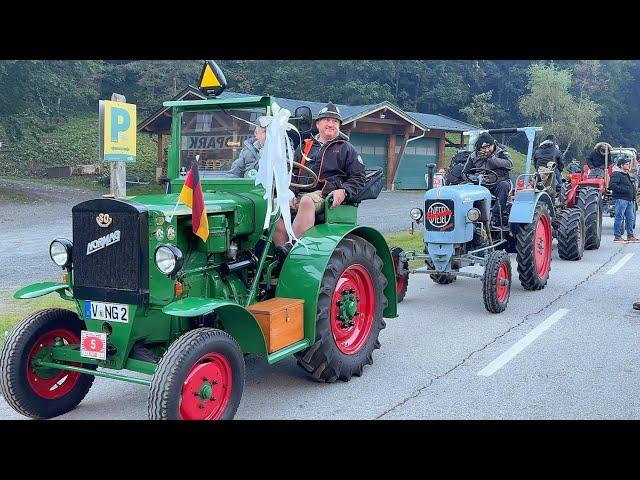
{"points": [[49, 109]]}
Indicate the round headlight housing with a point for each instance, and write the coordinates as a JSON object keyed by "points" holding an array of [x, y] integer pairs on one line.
{"points": [[60, 252], [415, 214], [168, 259], [473, 215]]}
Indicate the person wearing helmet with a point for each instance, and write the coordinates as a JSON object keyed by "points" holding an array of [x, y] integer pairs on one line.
{"points": [[488, 155], [595, 160], [339, 168]]}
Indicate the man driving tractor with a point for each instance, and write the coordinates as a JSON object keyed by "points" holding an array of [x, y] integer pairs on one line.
{"points": [[488, 155]]}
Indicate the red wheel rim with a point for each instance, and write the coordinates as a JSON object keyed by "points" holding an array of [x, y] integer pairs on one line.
{"points": [[207, 389], [503, 276], [351, 339], [542, 246], [59, 382], [400, 279]]}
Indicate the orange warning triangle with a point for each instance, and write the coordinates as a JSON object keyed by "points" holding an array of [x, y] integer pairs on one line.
{"points": [[209, 78]]}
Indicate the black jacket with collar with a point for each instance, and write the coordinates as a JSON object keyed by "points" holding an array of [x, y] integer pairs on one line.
{"points": [[622, 186], [499, 161], [336, 163]]}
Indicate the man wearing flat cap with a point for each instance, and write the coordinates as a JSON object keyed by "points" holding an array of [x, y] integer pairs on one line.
{"points": [[339, 168], [488, 155]]}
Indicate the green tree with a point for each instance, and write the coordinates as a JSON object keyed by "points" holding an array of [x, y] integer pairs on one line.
{"points": [[481, 112], [550, 105]]}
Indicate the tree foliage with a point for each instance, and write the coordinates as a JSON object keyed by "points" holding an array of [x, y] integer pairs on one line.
{"points": [[551, 105], [580, 101]]}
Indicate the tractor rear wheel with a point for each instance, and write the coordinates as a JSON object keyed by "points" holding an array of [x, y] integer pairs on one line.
{"points": [[589, 201], [39, 392], [402, 281], [533, 248], [349, 313], [564, 193], [570, 234], [200, 377], [496, 282]]}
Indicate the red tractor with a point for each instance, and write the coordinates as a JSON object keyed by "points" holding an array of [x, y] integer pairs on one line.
{"points": [[592, 195]]}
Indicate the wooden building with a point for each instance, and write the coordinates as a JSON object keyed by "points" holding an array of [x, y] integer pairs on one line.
{"points": [[400, 142]]}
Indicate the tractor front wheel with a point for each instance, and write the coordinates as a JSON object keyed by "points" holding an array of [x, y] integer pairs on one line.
{"points": [[590, 202], [402, 281], [570, 234], [349, 313], [200, 377], [39, 392], [533, 248], [496, 282]]}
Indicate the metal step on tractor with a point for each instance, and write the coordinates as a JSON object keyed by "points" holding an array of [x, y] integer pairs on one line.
{"points": [[147, 295], [459, 231]]}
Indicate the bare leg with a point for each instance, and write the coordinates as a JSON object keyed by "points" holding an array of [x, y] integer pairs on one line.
{"points": [[306, 217], [280, 235]]}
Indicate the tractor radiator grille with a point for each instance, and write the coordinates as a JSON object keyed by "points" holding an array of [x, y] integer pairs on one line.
{"points": [[110, 251]]}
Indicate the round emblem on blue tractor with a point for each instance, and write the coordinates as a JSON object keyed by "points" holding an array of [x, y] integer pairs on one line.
{"points": [[439, 215]]}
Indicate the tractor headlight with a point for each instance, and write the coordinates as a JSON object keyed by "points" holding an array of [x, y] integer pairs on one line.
{"points": [[415, 214], [473, 215], [60, 252], [168, 259]]}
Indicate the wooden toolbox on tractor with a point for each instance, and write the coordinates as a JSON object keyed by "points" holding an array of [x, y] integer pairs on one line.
{"points": [[281, 321]]}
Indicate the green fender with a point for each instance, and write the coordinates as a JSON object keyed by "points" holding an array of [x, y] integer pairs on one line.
{"points": [[303, 270], [40, 289], [236, 320]]}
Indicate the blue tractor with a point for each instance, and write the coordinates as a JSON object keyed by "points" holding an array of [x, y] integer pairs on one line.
{"points": [[459, 231]]}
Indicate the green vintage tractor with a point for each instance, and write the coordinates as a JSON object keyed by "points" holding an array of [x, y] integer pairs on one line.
{"points": [[148, 296]]}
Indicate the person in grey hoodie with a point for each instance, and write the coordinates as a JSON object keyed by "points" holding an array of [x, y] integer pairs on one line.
{"points": [[250, 154]]}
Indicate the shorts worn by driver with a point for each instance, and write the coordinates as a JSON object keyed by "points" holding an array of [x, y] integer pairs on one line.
{"points": [[316, 196]]}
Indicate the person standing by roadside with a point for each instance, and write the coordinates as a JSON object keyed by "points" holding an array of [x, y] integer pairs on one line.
{"points": [[623, 190]]}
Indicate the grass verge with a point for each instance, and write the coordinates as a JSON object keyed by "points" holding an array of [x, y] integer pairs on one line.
{"points": [[12, 310]]}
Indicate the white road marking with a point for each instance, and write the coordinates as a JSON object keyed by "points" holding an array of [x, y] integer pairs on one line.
{"points": [[521, 344], [620, 264]]}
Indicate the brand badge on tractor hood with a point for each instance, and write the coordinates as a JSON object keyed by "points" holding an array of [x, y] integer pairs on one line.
{"points": [[104, 220], [439, 215], [100, 243]]}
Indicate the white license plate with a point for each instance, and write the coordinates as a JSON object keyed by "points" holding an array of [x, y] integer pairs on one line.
{"points": [[93, 345], [110, 312]]}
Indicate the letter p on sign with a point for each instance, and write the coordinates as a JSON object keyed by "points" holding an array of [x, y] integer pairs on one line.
{"points": [[117, 131]]}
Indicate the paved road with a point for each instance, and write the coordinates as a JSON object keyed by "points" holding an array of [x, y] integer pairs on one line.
{"points": [[566, 352]]}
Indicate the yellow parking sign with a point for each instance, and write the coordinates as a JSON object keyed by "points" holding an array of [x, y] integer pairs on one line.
{"points": [[117, 131]]}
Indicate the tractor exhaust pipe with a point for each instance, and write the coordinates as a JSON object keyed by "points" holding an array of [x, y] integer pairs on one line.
{"points": [[430, 171], [227, 269]]}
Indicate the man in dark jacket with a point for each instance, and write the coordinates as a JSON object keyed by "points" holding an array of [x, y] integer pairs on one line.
{"points": [[339, 168], [488, 155], [546, 152], [595, 160], [623, 191]]}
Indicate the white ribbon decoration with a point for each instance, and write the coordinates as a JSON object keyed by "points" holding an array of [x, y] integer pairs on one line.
{"points": [[276, 166]]}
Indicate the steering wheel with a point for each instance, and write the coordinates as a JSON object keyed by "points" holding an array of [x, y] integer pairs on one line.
{"points": [[305, 186], [490, 177]]}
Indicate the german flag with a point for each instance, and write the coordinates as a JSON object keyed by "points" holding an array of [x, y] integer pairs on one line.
{"points": [[191, 195]]}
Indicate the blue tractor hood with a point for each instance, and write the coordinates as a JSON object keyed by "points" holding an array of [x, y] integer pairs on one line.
{"points": [[445, 218]]}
